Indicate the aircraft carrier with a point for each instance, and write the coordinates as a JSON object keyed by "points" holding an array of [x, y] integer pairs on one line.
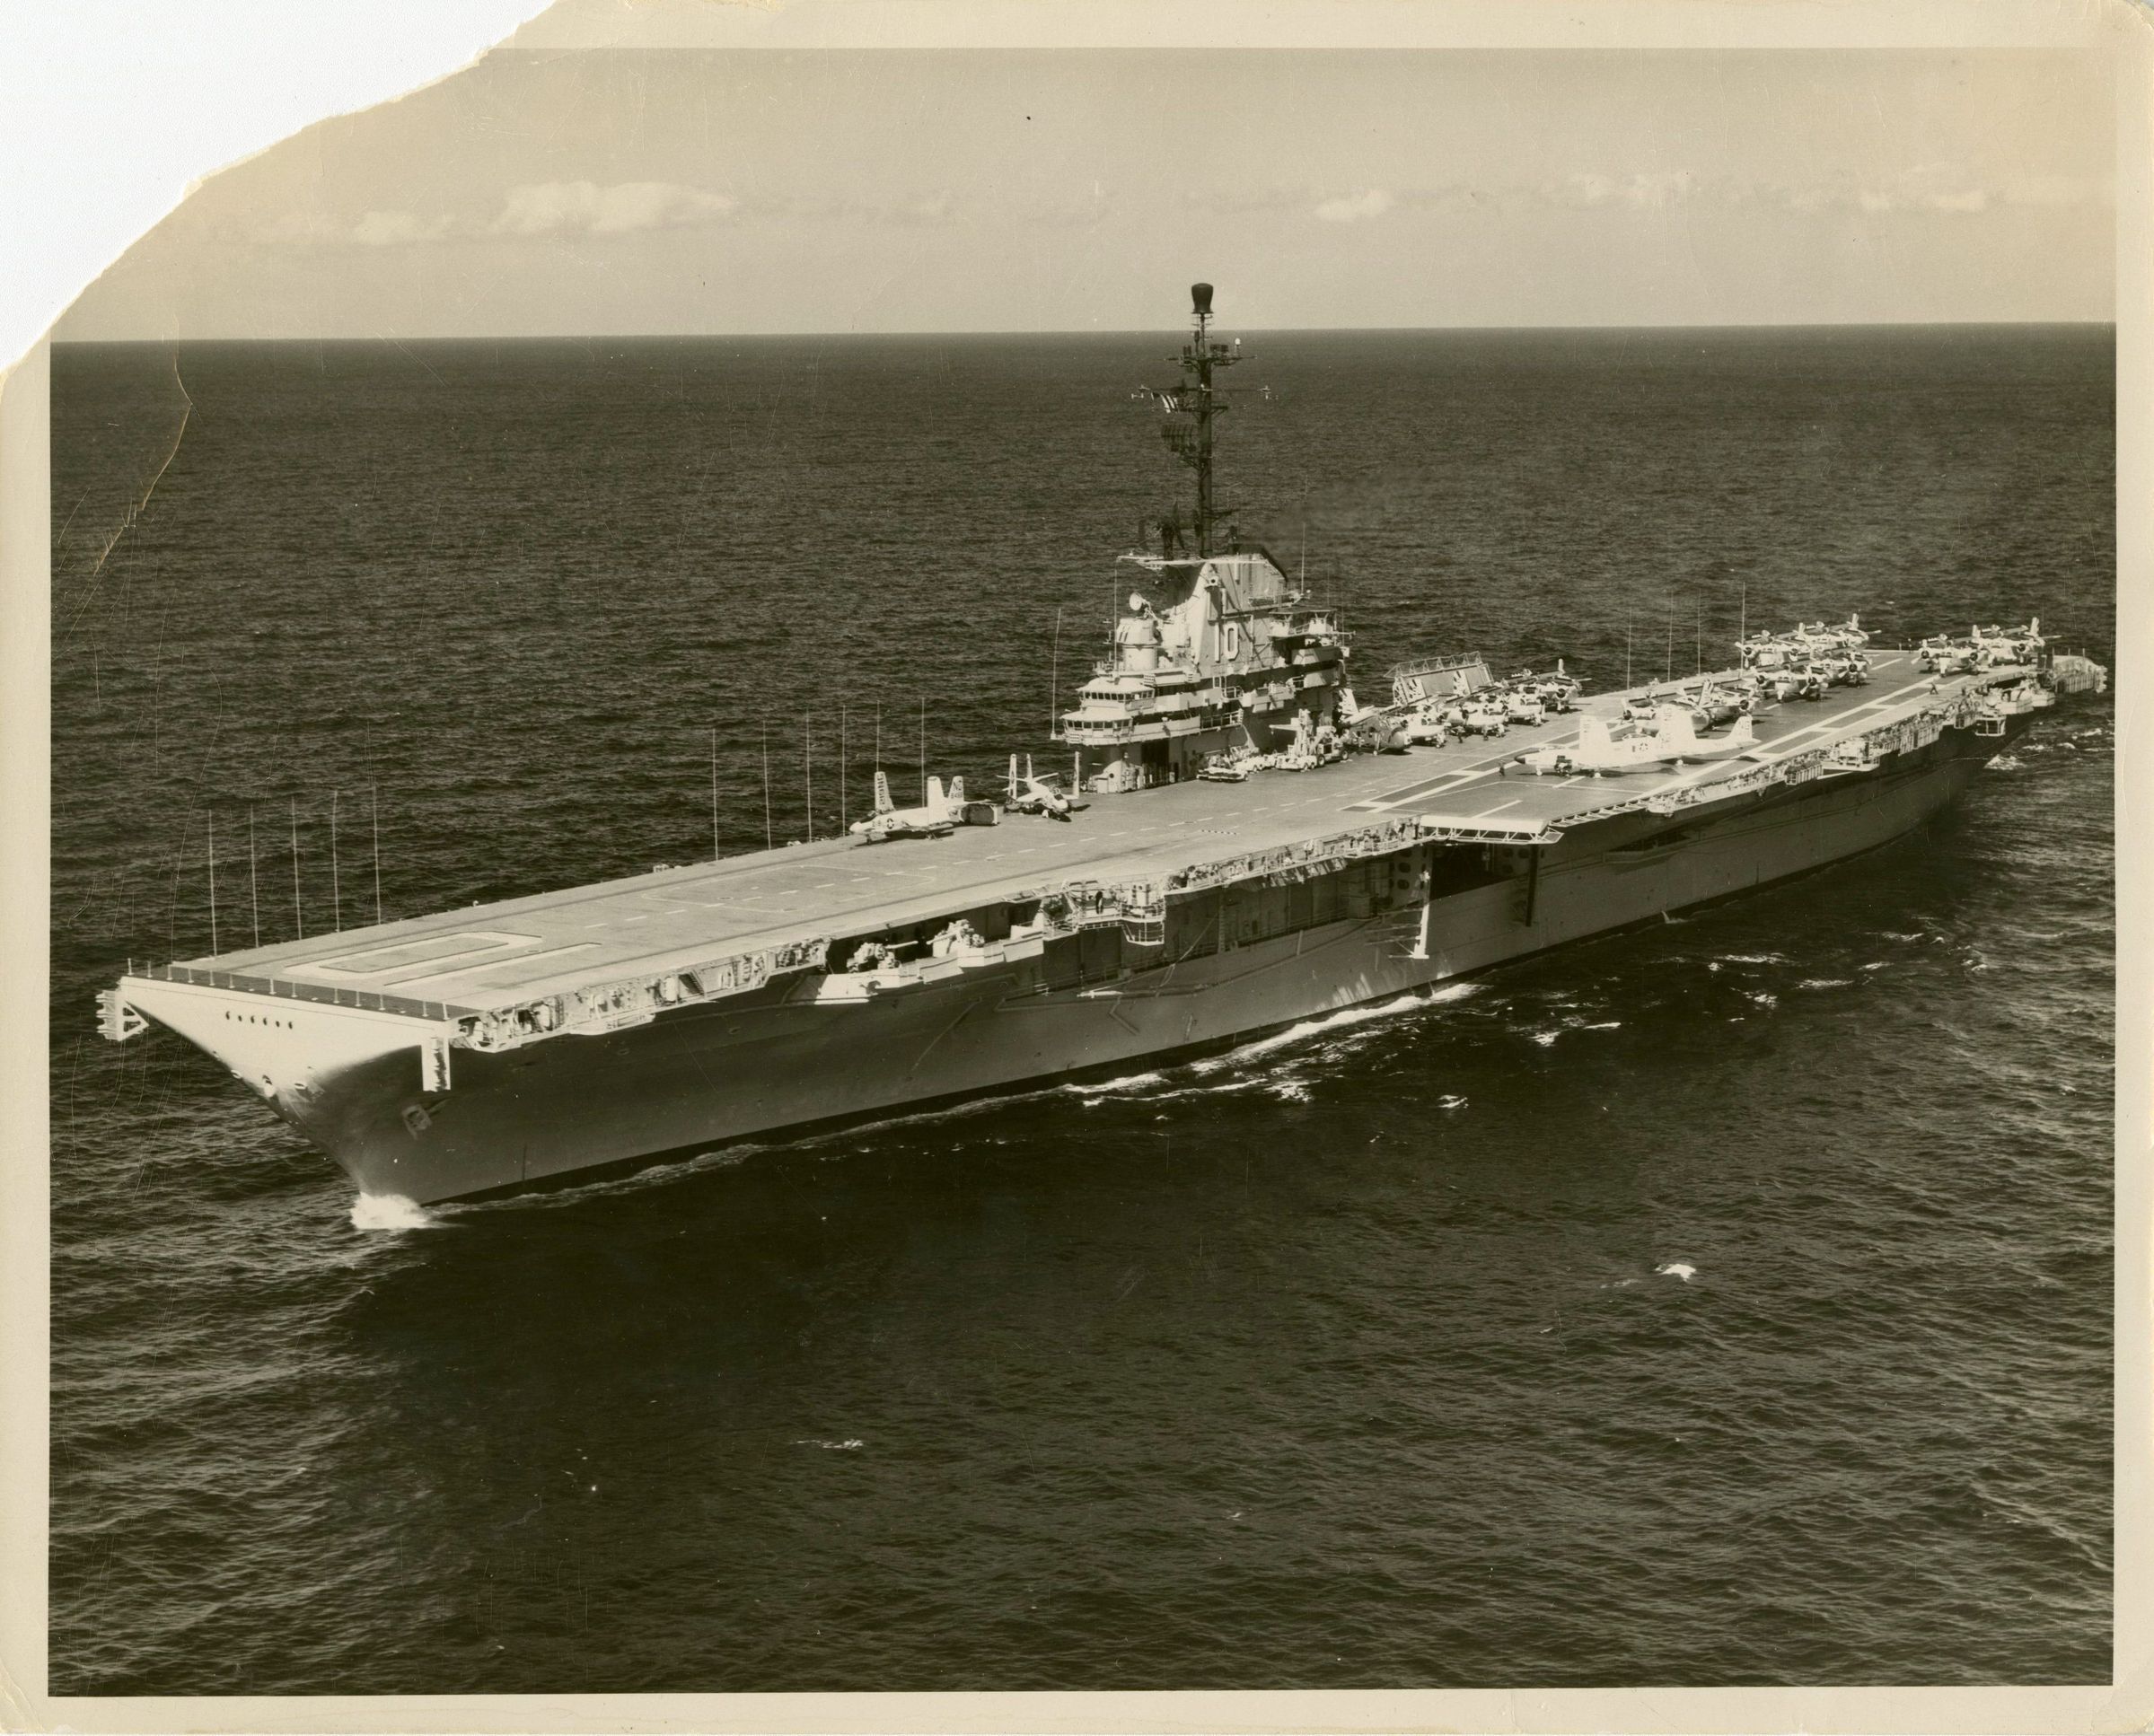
{"points": [[1239, 845]]}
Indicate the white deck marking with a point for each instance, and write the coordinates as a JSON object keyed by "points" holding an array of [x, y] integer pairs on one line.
{"points": [[519, 962], [1485, 812]]}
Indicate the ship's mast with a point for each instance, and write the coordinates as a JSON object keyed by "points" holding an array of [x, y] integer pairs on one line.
{"points": [[1194, 403]]}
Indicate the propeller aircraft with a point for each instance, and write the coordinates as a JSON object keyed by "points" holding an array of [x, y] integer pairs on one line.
{"points": [[938, 817]]}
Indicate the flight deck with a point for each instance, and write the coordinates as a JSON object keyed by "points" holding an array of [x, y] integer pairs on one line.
{"points": [[487, 956]]}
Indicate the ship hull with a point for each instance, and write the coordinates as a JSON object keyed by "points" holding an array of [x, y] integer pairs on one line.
{"points": [[704, 1076]]}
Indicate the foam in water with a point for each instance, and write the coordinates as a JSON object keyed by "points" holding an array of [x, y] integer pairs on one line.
{"points": [[391, 1212], [1128, 1083], [1677, 1269], [1345, 1018]]}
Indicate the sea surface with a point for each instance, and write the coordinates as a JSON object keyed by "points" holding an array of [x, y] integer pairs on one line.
{"points": [[1724, 1302]]}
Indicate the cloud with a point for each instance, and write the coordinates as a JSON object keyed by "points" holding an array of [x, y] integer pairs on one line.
{"points": [[582, 208], [1374, 202], [1646, 191], [1926, 187], [1875, 200], [396, 228]]}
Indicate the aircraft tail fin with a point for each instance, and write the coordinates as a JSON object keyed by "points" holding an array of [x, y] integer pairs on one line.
{"points": [[1595, 742], [1676, 730], [883, 804], [957, 793], [1745, 733]]}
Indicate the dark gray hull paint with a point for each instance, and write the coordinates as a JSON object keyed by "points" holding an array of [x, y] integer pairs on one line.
{"points": [[709, 1074]]}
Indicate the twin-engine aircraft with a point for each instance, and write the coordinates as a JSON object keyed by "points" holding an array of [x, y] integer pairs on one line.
{"points": [[938, 817], [1673, 740], [1037, 794]]}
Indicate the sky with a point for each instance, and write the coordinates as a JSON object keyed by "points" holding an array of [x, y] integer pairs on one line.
{"points": [[553, 190]]}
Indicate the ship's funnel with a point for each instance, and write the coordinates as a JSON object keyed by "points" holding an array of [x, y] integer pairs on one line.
{"points": [[1199, 299]]}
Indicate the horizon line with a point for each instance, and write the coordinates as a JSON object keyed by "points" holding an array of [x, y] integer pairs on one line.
{"points": [[1075, 331]]}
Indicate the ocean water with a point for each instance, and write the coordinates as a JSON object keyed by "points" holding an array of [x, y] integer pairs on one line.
{"points": [[1724, 1302]]}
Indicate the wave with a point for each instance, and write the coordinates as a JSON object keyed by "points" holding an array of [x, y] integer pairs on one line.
{"points": [[657, 1175], [392, 1212], [1676, 1269], [1345, 1019], [1134, 1081]]}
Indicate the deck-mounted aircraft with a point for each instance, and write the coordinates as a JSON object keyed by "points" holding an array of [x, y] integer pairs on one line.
{"points": [[2008, 644], [938, 817], [1602, 753], [1036, 794]]}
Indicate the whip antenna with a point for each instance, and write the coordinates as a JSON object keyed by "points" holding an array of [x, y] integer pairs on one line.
{"points": [[770, 843], [374, 817], [299, 926]]}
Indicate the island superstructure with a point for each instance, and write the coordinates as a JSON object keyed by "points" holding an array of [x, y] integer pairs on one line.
{"points": [[1228, 656], [1239, 870]]}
